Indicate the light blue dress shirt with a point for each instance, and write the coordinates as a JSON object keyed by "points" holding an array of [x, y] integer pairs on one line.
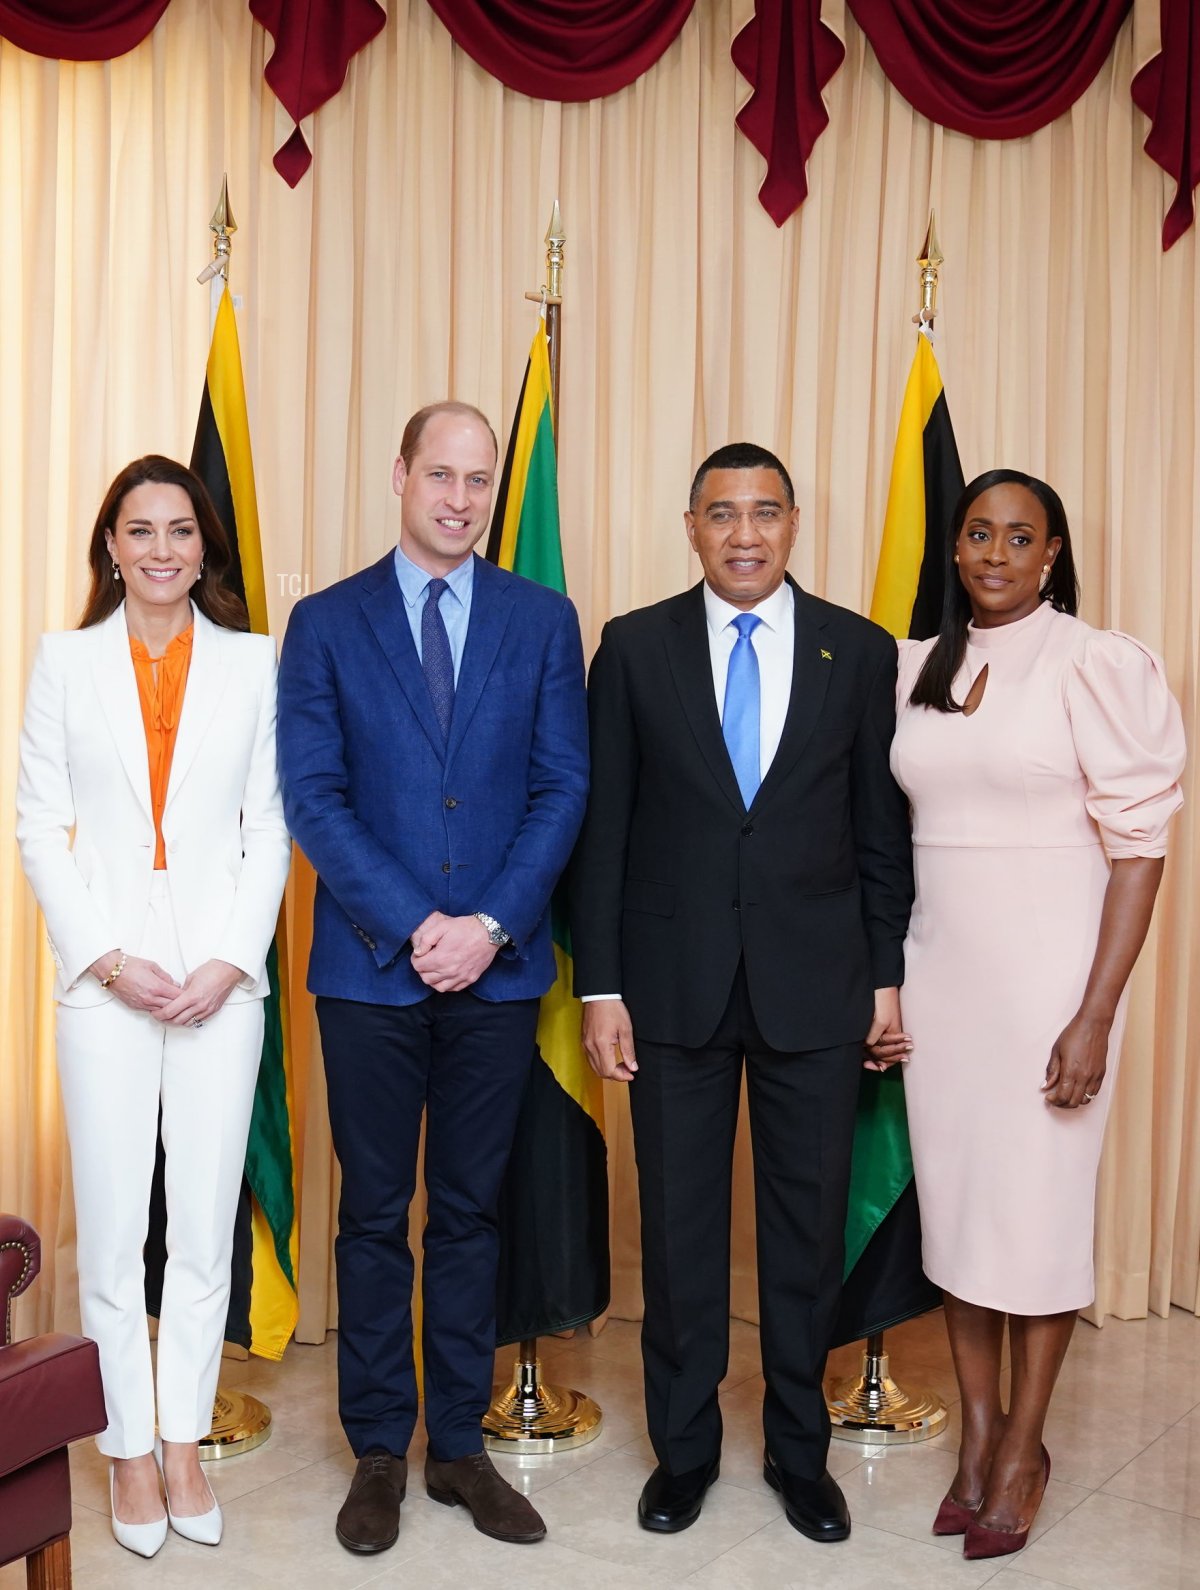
{"points": [[455, 606]]}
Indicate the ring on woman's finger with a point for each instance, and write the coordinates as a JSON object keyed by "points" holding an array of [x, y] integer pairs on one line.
{"points": [[196, 1022], [1088, 1097]]}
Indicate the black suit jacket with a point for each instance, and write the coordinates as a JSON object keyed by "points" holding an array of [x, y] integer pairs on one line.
{"points": [[674, 880]]}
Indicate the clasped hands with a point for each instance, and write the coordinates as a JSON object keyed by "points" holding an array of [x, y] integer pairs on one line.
{"points": [[451, 952], [144, 985]]}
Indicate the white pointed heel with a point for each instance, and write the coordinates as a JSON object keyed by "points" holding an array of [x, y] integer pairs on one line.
{"points": [[204, 1528], [144, 1539]]}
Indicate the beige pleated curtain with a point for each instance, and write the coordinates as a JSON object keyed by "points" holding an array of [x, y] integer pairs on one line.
{"points": [[394, 274]]}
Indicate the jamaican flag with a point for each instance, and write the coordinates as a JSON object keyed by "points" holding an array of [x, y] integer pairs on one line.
{"points": [[262, 1305], [884, 1280], [554, 1203]]}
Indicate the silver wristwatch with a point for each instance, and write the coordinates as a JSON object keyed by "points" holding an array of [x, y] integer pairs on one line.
{"points": [[496, 934]]}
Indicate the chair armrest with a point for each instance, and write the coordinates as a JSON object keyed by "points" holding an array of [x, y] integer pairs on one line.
{"points": [[50, 1394], [20, 1261]]}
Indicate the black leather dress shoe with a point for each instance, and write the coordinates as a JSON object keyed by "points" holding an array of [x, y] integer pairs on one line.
{"points": [[816, 1508], [670, 1502]]}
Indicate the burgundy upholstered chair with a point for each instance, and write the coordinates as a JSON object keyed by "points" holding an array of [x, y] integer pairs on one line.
{"points": [[50, 1394]]}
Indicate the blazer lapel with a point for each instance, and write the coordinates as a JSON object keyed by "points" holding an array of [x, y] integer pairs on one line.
{"points": [[205, 685], [691, 668], [117, 692], [384, 610], [491, 609], [812, 665]]}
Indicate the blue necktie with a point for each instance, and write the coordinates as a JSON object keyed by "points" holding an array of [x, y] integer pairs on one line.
{"points": [[436, 658], [741, 719]]}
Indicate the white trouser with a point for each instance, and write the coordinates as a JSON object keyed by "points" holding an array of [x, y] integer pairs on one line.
{"points": [[116, 1066]]}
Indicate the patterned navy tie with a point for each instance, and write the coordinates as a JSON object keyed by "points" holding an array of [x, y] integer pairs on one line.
{"points": [[435, 655], [740, 721]]}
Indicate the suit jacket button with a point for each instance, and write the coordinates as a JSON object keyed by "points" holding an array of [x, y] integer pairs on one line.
{"points": [[737, 905], [747, 830], [451, 802], [445, 866]]}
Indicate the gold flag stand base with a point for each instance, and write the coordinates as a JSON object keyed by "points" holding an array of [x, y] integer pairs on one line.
{"points": [[529, 1418], [871, 1407], [240, 1423]]}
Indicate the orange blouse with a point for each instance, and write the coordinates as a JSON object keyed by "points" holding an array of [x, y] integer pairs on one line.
{"points": [[162, 702]]}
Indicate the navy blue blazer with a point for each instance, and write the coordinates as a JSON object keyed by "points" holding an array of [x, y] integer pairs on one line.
{"points": [[398, 824]]}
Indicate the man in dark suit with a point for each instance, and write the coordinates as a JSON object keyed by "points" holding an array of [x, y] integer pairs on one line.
{"points": [[433, 755], [741, 888]]}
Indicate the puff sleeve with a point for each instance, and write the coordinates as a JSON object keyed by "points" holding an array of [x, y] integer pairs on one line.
{"points": [[1128, 735]]}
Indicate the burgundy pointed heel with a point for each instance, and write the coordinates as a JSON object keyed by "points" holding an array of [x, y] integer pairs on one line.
{"points": [[984, 1542], [952, 1517]]}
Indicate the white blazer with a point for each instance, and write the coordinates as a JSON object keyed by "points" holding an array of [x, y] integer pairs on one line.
{"points": [[84, 821]]}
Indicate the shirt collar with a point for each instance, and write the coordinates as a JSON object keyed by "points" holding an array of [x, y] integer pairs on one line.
{"points": [[413, 579], [773, 609]]}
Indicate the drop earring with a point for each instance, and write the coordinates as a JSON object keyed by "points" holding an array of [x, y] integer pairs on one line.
{"points": [[116, 570], [1045, 579], [200, 574]]}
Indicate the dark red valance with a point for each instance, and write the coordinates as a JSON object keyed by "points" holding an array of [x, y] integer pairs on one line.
{"points": [[986, 69], [787, 55], [1167, 89], [79, 30], [314, 41], [564, 49]]}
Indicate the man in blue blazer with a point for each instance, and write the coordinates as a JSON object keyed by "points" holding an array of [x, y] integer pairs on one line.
{"points": [[433, 756]]}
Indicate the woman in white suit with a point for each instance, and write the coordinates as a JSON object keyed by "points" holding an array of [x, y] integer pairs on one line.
{"points": [[151, 829]]}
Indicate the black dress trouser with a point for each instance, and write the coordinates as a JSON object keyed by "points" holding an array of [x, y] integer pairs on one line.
{"points": [[684, 1104]]}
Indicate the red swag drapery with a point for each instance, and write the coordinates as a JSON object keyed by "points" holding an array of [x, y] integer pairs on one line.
{"points": [[79, 30], [788, 54], [564, 49], [1167, 89], [314, 41], [986, 70]]}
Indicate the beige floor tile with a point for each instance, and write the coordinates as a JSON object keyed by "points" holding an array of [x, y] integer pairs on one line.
{"points": [[1088, 1442], [1166, 1474], [1109, 1543], [594, 1512], [779, 1558], [474, 1562], [284, 1533], [230, 1477], [900, 1491]]}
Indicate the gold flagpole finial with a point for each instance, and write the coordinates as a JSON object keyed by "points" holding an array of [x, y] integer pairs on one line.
{"points": [[222, 226], [929, 259], [556, 236]]}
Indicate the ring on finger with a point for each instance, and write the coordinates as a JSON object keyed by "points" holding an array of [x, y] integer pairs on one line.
{"points": [[196, 1022], [1088, 1097]]}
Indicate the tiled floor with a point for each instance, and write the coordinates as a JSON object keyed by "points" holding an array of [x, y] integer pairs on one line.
{"points": [[1122, 1511]]}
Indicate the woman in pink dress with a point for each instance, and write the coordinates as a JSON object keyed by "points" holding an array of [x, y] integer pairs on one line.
{"points": [[1042, 760]]}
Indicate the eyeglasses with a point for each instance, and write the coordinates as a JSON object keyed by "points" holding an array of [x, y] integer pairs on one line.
{"points": [[762, 518]]}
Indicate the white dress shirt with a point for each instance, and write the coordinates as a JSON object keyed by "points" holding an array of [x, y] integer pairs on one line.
{"points": [[774, 646]]}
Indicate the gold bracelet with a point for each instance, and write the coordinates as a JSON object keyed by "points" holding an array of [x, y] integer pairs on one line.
{"points": [[116, 971]]}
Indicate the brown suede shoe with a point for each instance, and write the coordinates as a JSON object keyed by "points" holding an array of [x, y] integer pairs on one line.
{"points": [[370, 1515], [497, 1509]]}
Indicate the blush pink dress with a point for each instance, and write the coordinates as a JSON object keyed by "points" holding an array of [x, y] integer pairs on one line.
{"points": [[1072, 758]]}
